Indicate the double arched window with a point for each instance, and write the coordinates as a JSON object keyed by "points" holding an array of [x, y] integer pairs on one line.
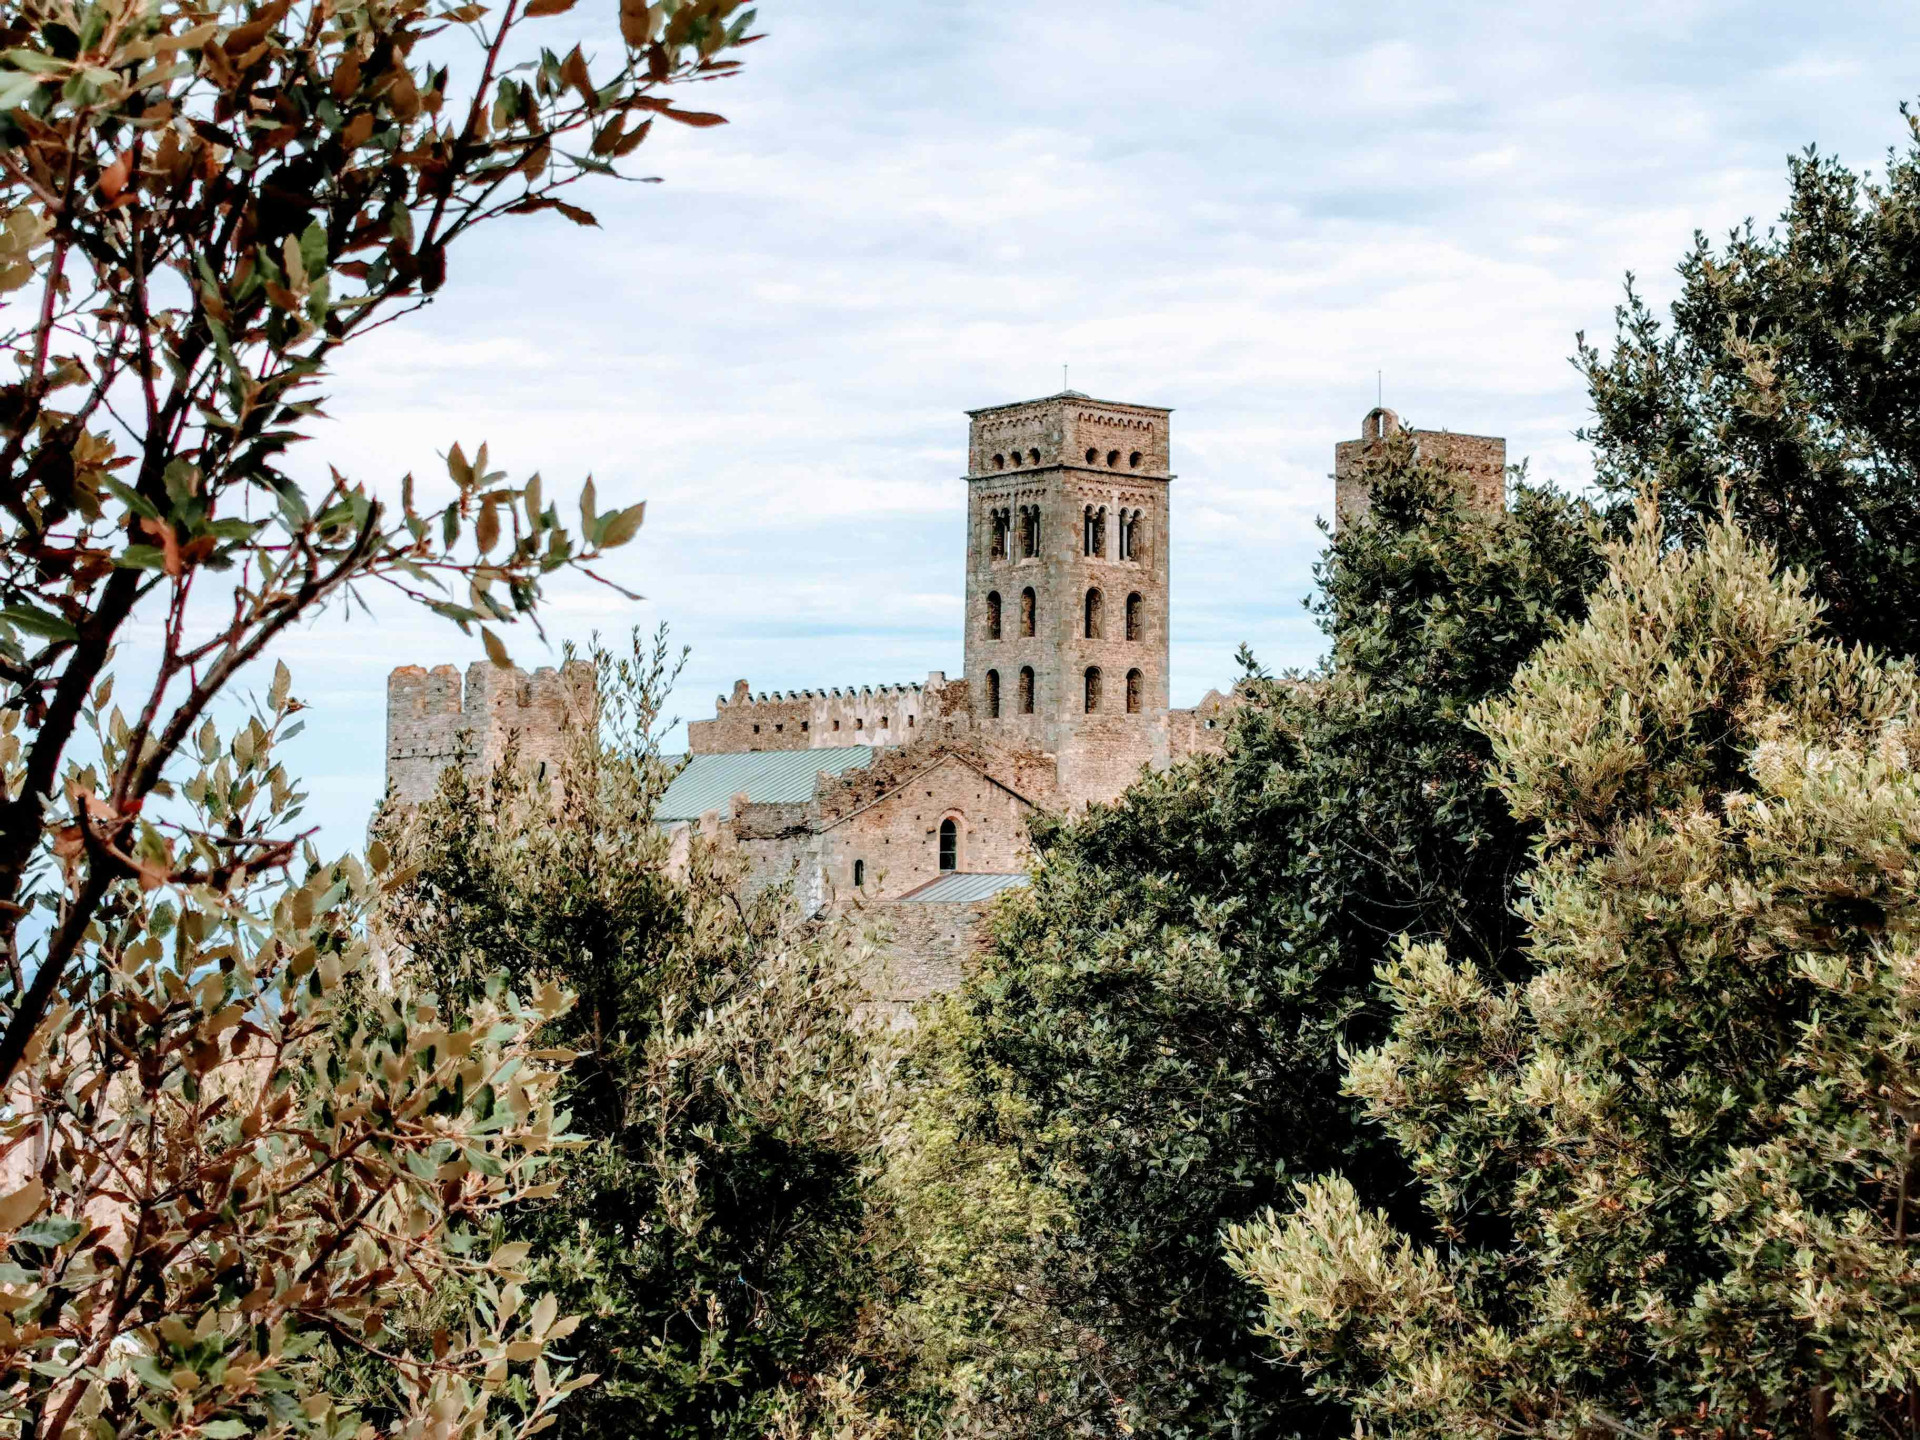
{"points": [[949, 845], [993, 694], [993, 615], [1029, 531], [1128, 524], [1026, 690], [1001, 533], [1094, 616], [1093, 690], [1093, 530]]}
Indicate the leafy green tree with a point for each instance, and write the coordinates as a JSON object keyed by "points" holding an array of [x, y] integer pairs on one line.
{"points": [[1156, 1035], [1695, 1120], [1788, 369], [714, 1229]]}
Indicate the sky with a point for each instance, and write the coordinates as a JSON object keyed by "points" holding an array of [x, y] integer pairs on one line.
{"points": [[1259, 214]]}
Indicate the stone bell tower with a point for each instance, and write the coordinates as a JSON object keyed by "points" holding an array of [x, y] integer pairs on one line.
{"points": [[1066, 643]]}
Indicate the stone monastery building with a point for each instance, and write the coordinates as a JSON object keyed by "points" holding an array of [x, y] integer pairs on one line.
{"points": [[909, 804]]}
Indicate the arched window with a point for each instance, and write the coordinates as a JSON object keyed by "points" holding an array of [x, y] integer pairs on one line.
{"points": [[1001, 522], [1027, 607], [1093, 689], [1094, 530], [1134, 680], [1094, 606], [1092, 455], [993, 615], [859, 873], [1000, 462], [1113, 458], [949, 845], [1026, 690], [1016, 459], [993, 694], [1133, 460], [1128, 522], [1033, 457], [1133, 616], [1029, 531]]}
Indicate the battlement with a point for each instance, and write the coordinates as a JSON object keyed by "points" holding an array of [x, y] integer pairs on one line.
{"points": [[1480, 462], [437, 718], [817, 719]]}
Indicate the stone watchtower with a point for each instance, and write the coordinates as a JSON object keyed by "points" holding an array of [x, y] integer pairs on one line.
{"points": [[1480, 462], [1066, 643]]}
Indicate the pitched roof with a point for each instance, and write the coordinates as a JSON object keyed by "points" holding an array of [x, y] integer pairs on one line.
{"points": [[960, 888], [765, 777]]}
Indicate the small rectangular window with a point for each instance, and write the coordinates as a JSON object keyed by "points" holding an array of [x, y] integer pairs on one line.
{"points": [[803, 726]]}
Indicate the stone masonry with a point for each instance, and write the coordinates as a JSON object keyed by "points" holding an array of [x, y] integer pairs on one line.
{"points": [[434, 721], [1063, 700], [1480, 462]]}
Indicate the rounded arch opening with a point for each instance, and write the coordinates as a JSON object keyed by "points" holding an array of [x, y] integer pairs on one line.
{"points": [[1026, 690], [1028, 605], [1135, 616], [993, 694], [1094, 617], [993, 615], [949, 845], [1135, 681]]}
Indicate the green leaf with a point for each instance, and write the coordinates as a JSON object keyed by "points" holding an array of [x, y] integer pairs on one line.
{"points": [[36, 621], [49, 1230]]}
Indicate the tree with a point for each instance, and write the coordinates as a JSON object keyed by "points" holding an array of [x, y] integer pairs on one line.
{"points": [[1156, 1034], [225, 1148], [1788, 369], [714, 1228], [1695, 1119], [204, 203], [200, 204]]}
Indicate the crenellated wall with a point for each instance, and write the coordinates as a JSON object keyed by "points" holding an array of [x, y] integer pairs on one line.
{"points": [[437, 718], [879, 715]]}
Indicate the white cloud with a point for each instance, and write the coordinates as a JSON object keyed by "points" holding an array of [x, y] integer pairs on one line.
{"points": [[1240, 211]]}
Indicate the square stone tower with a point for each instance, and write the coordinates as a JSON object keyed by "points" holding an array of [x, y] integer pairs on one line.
{"points": [[1478, 461], [1067, 603]]}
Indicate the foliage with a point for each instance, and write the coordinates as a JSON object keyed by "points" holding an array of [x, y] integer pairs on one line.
{"points": [[1696, 1116], [715, 1229], [1788, 369], [1155, 1038], [224, 1147], [200, 204]]}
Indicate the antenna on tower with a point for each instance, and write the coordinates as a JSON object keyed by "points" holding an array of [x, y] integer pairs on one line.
{"points": [[1379, 388], [1063, 377]]}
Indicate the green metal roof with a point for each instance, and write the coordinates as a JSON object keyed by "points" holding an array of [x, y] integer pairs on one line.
{"points": [[961, 888], [765, 777]]}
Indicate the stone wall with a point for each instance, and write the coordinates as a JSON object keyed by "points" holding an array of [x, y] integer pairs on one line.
{"points": [[894, 838], [435, 720], [817, 719], [1479, 460], [1199, 731], [925, 950]]}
